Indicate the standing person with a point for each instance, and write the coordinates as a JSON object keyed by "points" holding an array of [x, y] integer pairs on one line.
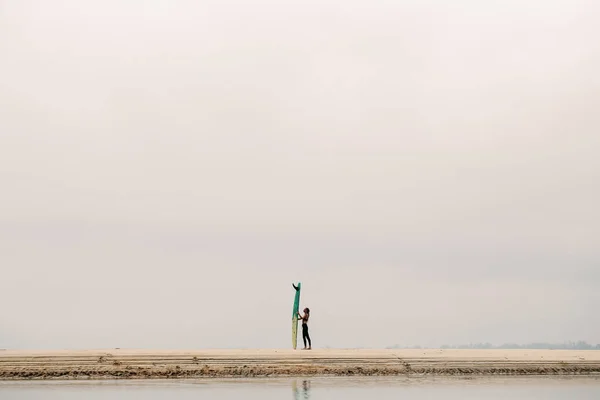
{"points": [[305, 335]]}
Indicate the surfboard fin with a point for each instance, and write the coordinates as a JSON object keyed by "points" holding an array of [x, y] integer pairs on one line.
{"points": [[295, 287]]}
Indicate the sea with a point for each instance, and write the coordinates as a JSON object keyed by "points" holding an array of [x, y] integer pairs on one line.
{"points": [[326, 388]]}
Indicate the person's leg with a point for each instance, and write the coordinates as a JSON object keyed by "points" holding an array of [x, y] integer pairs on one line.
{"points": [[308, 338], [304, 334]]}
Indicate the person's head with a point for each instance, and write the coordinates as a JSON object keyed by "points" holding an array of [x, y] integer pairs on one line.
{"points": [[306, 310]]}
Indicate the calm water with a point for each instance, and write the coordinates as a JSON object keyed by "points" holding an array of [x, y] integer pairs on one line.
{"points": [[513, 388]]}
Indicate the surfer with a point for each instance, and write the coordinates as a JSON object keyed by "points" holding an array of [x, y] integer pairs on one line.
{"points": [[305, 335]]}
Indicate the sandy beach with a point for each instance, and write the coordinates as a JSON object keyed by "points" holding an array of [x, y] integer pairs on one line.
{"points": [[147, 364]]}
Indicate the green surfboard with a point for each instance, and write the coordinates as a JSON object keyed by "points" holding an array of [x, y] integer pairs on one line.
{"points": [[295, 315]]}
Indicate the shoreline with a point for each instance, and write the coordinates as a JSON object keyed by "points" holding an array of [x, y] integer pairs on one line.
{"points": [[248, 363]]}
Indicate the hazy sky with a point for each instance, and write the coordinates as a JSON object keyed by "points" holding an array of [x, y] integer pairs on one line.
{"points": [[429, 170]]}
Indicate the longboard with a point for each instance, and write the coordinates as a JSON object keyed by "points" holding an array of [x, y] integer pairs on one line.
{"points": [[295, 315]]}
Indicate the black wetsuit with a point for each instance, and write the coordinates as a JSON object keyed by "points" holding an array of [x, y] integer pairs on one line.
{"points": [[305, 335]]}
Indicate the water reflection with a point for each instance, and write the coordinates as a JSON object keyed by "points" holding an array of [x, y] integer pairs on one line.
{"points": [[302, 393]]}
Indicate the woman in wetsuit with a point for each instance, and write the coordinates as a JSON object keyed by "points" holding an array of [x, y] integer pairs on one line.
{"points": [[305, 335]]}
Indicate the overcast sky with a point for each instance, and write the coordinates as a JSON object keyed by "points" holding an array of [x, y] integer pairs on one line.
{"points": [[428, 169]]}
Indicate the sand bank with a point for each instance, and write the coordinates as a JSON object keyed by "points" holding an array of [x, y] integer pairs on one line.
{"points": [[146, 364]]}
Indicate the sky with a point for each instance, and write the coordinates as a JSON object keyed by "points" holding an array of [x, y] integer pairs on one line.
{"points": [[427, 169]]}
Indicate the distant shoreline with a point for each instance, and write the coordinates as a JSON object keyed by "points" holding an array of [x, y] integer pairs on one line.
{"points": [[151, 364]]}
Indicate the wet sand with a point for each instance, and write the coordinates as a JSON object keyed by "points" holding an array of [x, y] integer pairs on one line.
{"points": [[148, 364]]}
